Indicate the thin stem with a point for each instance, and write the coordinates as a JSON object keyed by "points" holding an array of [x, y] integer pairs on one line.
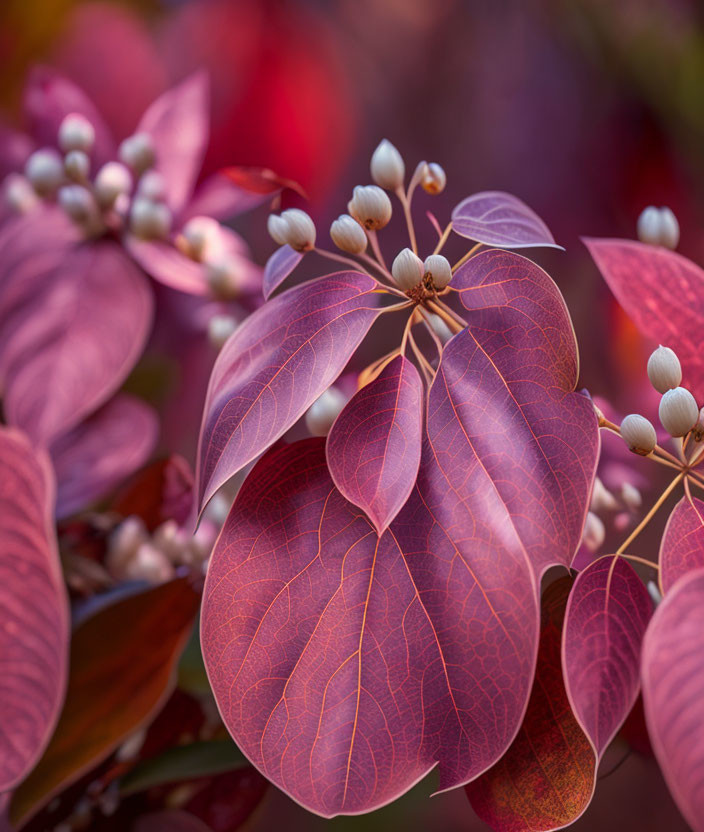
{"points": [[425, 366], [434, 222], [649, 516], [451, 318], [375, 367], [406, 331], [443, 238], [371, 262], [405, 202], [636, 559], [331, 255], [374, 242], [433, 334], [658, 449], [466, 256], [396, 307]]}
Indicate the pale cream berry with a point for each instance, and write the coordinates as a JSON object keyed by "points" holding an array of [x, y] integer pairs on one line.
{"points": [[639, 434], [602, 498], [78, 203], [439, 327], [433, 180], [45, 171], [77, 165], [112, 180], [439, 270], [348, 235], [324, 410], [200, 237], [631, 496], [407, 270], [278, 229], [300, 229], [150, 220], [387, 166], [594, 532], [137, 152], [371, 206], [664, 369], [149, 564], [220, 327], [18, 194], [152, 186], [223, 277], [658, 227], [678, 411], [76, 133]]}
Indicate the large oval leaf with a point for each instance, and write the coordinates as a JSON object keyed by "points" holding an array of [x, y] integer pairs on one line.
{"points": [[347, 665], [277, 363], [682, 546], [663, 293], [606, 618], [69, 348], [505, 395], [101, 452], [34, 619], [545, 780], [499, 219], [113, 687], [373, 448], [673, 693]]}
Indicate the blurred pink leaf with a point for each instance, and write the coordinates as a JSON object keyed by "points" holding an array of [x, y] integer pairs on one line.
{"points": [[607, 614], [67, 351], [673, 693], [167, 265], [178, 124], [373, 448], [682, 546], [278, 267], [277, 363], [162, 491], [499, 219], [101, 452], [34, 613], [169, 820], [663, 293], [235, 190]]}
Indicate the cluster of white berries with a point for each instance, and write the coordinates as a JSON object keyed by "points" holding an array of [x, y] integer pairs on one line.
{"points": [[658, 227], [621, 506], [678, 411], [408, 270]]}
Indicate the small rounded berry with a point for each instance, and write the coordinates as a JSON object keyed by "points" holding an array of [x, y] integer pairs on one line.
{"points": [[639, 434], [137, 152], [387, 166], [664, 369], [434, 179], [45, 170], [150, 220], [370, 206], [678, 411], [439, 269], [76, 133], [407, 270], [348, 235]]}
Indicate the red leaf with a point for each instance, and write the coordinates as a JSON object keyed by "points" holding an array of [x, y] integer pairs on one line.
{"points": [[33, 608], [673, 693], [682, 546], [163, 491], [607, 615], [373, 449], [546, 779]]}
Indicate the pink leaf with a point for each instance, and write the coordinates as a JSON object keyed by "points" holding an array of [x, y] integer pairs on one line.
{"points": [[663, 293], [499, 219], [102, 451], [48, 98], [682, 546], [373, 449], [33, 609], [277, 363], [68, 350], [278, 267], [165, 263], [673, 693], [226, 195], [606, 617], [178, 124], [347, 665]]}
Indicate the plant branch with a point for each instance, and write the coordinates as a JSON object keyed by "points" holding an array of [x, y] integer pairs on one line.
{"points": [[649, 516]]}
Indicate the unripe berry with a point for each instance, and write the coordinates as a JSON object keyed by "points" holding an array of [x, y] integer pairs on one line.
{"points": [[150, 220], [300, 229], [439, 269], [631, 496], [18, 194], [387, 167], [278, 229], [407, 270], [324, 410], [678, 411], [602, 498], [112, 180], [77, 165], [45, 170], [434, 179], [658, 227], [200, 235], [370, 206], [152, 186], [76, 133], [220, 327], [639, 434], [664, 370], [348, 235], [78, 203], [594, 532], [137, 152], [223, 277]]}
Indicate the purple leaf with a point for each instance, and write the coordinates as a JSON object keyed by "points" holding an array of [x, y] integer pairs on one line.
{"points": [[606, 617], [663, 293], [49, 98], [222, 198], [373, 449], [504, 396], [33, 609], [102, 451], [165, 263], [67, 351], [682, 546], [178, 124], [278, 267], [347, 665], [673, 693], [499, 219], [277, 363]]}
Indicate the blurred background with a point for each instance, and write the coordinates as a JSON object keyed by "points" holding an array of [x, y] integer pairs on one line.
{"points": [[588, 111]]}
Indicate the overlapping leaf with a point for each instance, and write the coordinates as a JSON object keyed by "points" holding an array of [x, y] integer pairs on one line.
{"points": [[276, 365], [114, 686], [278, 267], [346, 665], [499, 219], [606, 618], [673, 693], [101, 452], [34, 626], [374, 447], [682, 546], [663, 293], [546, 779]]}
